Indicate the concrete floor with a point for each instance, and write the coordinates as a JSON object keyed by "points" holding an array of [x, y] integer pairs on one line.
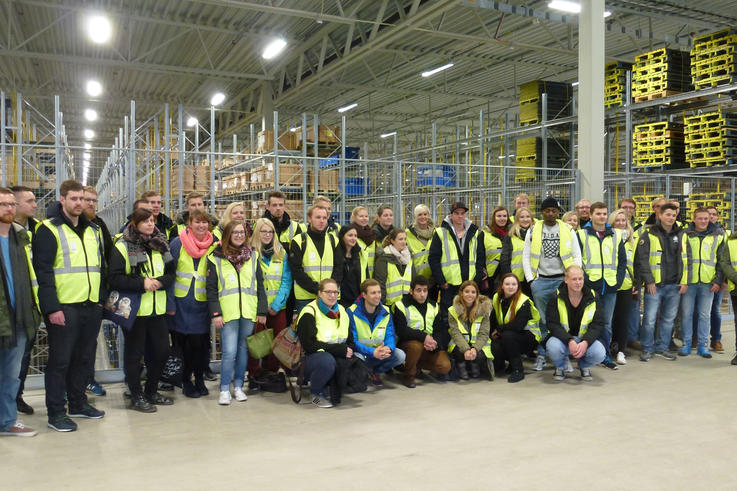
{"points": [[653, 425]]}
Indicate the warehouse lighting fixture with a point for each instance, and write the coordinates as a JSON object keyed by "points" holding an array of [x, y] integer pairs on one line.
{"points": [[99, 29], [87, 146], [89, 134], [432, 72], [192, 121], [387, 135], [574, 84], [347, 108], [570, 7], [505, 156], [217, 99], [273, 49], [293, 129], [90, 115], [86, 156], [94, 88]]}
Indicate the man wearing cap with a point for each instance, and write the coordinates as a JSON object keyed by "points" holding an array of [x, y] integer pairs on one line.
{"points": [[456, 255], [550, 249]]}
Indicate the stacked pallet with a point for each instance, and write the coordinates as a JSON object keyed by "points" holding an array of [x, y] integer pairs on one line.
{"points": [[711, 139], [661, 73], [658, 146], [235, 183], [194, 178], [530, 101], [643, 205], [714, 59], [615, 83], [705, 200], [529, 156], [287, 141]]}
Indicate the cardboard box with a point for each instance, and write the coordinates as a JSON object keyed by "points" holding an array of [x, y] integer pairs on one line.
{"points": [[287, 141], [326, 135], [290, 175]]}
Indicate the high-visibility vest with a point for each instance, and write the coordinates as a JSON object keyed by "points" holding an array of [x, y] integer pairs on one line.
{"points": [[420, 254], [152, 303], [629, 247], [415, 320], [217, 234], [397, 284], [368, 336], [370, 250], [532, 324], [272, 274], [515, 263], [315, 266], [600, 256], [586, 318], [237, 291], [732, 251], [536, 245], [31, 271], [77, 264], [493, 247], [470, 337], [331, 331], [702, 257], [286, 235], [186, 273], [449, 261], [655, 255]]}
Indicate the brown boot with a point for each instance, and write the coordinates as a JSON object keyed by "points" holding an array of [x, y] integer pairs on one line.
{"points": [[717, 346], [409, 381]]}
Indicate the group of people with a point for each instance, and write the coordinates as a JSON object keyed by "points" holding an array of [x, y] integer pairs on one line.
{"points": [[454, 299]]}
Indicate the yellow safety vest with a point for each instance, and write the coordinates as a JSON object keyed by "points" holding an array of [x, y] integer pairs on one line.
{"points": [[331, 331], [536, 245], [532, 324], [586, 318], [315, 266], [396, 284], [366, 335], [186, 273], [217, 234], [370, 250], [515, 263], [702, 257], [420, 254], [77, 264], [272, 274], [656, 254], [152, 303], [600, 257], [288, 234], [493, 247], [415, 320], [237, 291], [629, 247], [732, 251], [470, 337], [449, 261], [31, 272]]}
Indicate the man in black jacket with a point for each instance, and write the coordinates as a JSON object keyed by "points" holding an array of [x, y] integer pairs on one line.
{"points": [[574, 321], [286, 228], [163, 222]]}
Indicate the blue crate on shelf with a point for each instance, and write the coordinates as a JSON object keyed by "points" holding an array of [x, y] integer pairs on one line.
{"points": [[352, 153], [356, 186], [436, 176], [329, 162]]}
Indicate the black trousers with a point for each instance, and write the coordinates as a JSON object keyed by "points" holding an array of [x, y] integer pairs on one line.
{"points": [[24, 365], [621, 318], [510, 346], [70, 348], [480, 360], [195, 353], [148, 334]]}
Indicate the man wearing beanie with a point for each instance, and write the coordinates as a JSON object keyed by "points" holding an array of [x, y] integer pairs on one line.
{"points": [[549, 250]]}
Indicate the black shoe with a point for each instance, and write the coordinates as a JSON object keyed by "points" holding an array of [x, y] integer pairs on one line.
{"points": [[140, 404], [200, 386], [61, 423], [23, 407], [189, 390], [159, 399], [475, 370], [209, 376], [86, 411], [462, 372], [734, 360], [516, 376], [165, 387]]}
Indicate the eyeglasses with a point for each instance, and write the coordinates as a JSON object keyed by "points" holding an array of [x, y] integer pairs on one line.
{"points": [[9, 205], [238, 233], [267, 232], [331, 292], [90, 200]]}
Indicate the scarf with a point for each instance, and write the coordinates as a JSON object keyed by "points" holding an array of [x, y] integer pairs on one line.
{"points": [[424, 234], [237, 260], [194, 247], [403, 257], [381, 232], [138, 245], [267, 250], [332, 313], [366, 234]]}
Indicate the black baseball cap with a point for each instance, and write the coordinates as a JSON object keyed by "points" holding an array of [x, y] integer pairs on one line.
{"points": [[458, 206]]}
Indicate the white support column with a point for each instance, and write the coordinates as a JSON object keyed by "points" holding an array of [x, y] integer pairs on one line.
{"points": [[267, 106], [591, 99]]}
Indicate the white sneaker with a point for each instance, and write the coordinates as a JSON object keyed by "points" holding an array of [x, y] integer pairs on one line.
{"points": [[224, 399], [621, 360], [240, 396], [569, 366], [539, 363]]}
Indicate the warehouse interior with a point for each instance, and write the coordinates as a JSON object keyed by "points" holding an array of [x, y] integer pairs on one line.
{"points": [[384, 101]]}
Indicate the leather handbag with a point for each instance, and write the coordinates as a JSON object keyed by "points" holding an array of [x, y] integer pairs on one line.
{"points": [[288, 350], [259, 344]]}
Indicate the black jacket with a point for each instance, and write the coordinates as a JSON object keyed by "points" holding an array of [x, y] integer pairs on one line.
{"points": [[436, 253], [107, 239], [552, 318], [523, 316], [307, 334], [671, 263], [118, 280], [211, 287], [296, 254], [347, 272], [44, 254], [403, 331]]}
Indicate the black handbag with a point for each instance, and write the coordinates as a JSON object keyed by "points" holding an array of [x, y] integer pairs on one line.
{"points": [[174, 368]]}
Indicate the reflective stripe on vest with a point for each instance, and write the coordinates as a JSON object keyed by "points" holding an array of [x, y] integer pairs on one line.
{"points": [[629, 247], [420, 254], [701, 253], [600, 256], [536, 244], [288, 234], [272, 274], [732, 251], [586, 318], [493, 247], [331, 331], [77, 264], [655, 255], [317, 267], [470, 338], [518, 246], [532, 324], [152, 303], [396, 284], [237, 290], [366, 335], [186, 273], [414, 318], [370, 255], [32, 273], [449, 261]]}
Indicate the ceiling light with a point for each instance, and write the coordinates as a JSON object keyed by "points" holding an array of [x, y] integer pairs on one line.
{"points": [[99, 29], [574, 83], [89, 134], [94, 88], [273, 49], [387, 135], [90, 115], [192, 121], [607, 14], [87, 146], [570, 7], [293, 129], [432, 72], [217, 98], [86, 156], [347, 108]]}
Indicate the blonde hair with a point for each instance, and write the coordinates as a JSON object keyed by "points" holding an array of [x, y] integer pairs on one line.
{"points": [[422, 209], [279, 251], [630, 232], [516, 227], [228, 210], [568, 215], [354, 213]]}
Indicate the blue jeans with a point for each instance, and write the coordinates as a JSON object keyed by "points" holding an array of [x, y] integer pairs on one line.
{"points": [[382, 366], [634, 324], [300, 304], [697, 299], [608, 302], [665, 300], [542, 290], [235, 352], [716, 317], [10, 360], [559, 353], [319, 369]]}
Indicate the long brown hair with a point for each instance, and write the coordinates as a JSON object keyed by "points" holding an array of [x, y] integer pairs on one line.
{"points": [[515, 297], [228, 248], [468, 314], [392, 235], [493, 227]]}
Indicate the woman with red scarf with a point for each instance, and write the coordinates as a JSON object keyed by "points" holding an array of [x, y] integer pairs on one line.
{"points": [[188, 300]]}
